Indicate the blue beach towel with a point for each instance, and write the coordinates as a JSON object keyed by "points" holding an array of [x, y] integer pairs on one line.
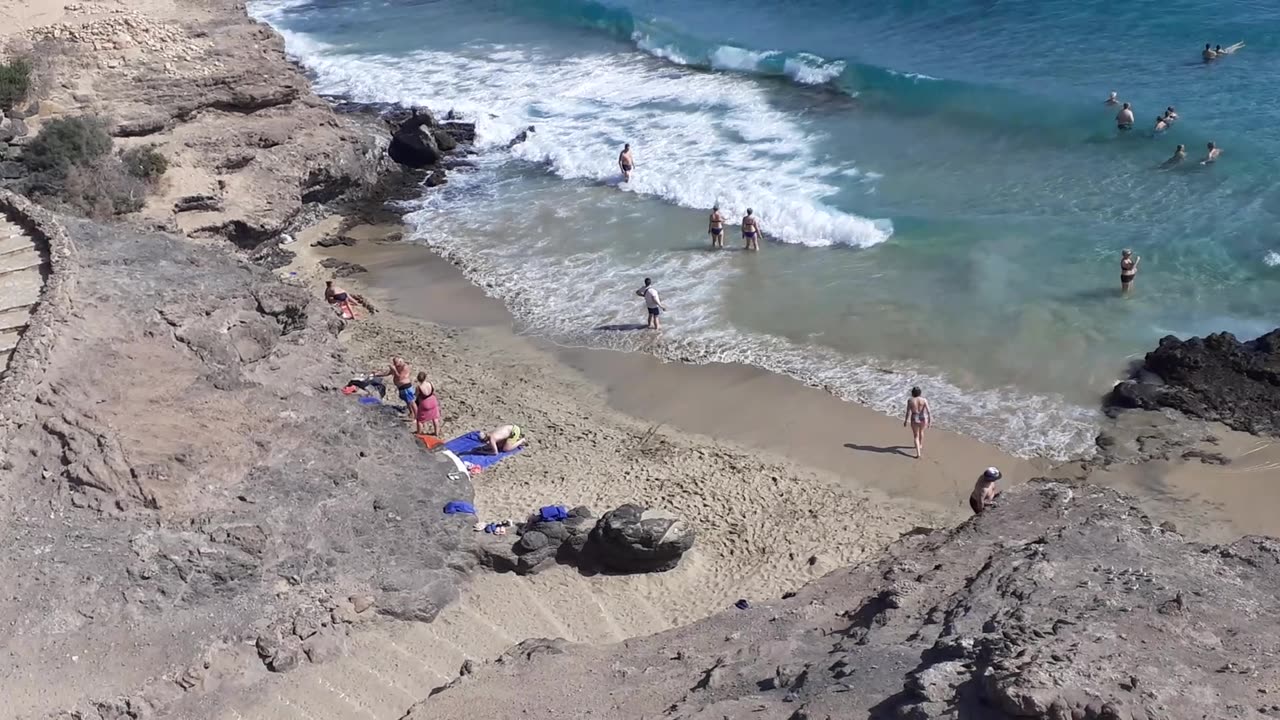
{"points": [[554, 513], [369, 400], [466, 447], [458, 506]]}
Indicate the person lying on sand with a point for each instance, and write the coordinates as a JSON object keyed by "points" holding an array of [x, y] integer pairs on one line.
{"points": [[1212, 156], [503, 439], [400, 373], [336, 295], [985, 491], [1179, 155]]}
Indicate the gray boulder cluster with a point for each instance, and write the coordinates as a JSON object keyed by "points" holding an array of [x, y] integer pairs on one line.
{"points": [[630, 539], [421, 142]]}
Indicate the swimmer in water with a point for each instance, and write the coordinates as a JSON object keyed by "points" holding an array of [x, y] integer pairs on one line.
{"points": [[1179, 155], [1113, 100], [715, 226], [625, 162], [1170, 115], [1162, 124], [1208, 55], [1212, 156], [750, 231], [1124, 118]]}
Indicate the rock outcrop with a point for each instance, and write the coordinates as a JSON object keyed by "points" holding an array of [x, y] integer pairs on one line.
{"points": [[1062, 602], [181, 473], [1212, 378], [630, 539], [419, 141]]}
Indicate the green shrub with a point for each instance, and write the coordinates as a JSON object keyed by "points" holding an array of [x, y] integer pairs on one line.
{"points": [[15, 81], [144, 163], [62, 144]]}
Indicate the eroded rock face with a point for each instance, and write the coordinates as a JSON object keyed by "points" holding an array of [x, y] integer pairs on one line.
{"points": [[1216, 377], [190, 473], [1063, 602], [634, 539]]}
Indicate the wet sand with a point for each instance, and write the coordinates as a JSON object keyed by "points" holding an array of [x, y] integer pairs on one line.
{"points": [[758, 409]]}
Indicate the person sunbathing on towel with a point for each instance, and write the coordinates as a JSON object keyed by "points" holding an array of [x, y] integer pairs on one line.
{"points": [[503, 439], [335, 295]]}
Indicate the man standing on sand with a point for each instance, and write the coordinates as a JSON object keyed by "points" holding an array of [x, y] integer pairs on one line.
{"points": [[985, 491], [716, 227], [625, 163], [652, 303], [1212, 156], [1128, 269], [1124, 118], [750, 231], [399, 372]]}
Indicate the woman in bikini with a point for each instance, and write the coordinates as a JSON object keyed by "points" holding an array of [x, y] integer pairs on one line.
{"points": [[716, 227], [750, 231], [1128, 269], [428, 406], [918, 416]]}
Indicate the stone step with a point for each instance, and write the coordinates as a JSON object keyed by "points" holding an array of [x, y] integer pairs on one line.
{"points": [[22, 260], [20, 289], [4, 362], [17, 243], [15, 317], [9, 340]]}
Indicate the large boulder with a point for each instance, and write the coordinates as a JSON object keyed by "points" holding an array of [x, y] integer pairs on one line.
{"points": [[413, 144], [634, 539], [539, 545], [1214, 378]]}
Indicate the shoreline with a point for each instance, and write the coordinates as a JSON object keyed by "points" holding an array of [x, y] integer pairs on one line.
{"points": [[815, 429]]}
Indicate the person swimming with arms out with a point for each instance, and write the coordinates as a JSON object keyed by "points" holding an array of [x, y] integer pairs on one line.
{"points": [[715, 226], [750, 231], [1179, 154], [1212, 156], [1124, 118], [625, 163]]}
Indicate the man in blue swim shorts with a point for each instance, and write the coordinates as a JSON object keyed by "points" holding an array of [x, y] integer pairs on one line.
{"points": [[400, 373]]}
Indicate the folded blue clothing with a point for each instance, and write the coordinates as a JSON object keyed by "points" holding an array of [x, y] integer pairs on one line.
{"points": [[459, 506], [471, 449], [369, 400], [553, 513]]}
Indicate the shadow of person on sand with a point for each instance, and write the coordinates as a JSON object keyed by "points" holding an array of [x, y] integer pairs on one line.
{"points": [[622, 327], [891, 450]]}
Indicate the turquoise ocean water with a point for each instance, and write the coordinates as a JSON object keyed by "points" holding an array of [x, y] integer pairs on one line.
{"points": [[944, 191]]}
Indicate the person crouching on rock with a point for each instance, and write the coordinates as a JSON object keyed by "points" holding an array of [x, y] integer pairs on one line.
{"points": [[428, 405], [399, 372], [503, 439], [985, 491]]}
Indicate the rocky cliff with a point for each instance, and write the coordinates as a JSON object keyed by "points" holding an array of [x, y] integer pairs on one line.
{"points": [[1063, 602], [191, 503]]}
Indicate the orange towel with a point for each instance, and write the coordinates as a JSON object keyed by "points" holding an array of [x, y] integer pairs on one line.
{"points": [[431, 441]]}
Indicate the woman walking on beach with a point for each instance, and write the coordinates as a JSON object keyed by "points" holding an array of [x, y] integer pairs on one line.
{"points": [[918, 416]]}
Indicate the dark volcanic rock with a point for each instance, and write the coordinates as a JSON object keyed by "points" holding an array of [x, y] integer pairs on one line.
{"points": [[342, 268], [413, 144], [1063, 602], [436, 179], [198, 203], [520, 137], [634, 539], [1213, 378], [460, 133]]}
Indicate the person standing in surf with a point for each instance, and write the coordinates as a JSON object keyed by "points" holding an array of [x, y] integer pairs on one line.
{"points": [[715, 226], [919, 416], [750, 231], [625, 163], [1128, 270], [652, 304], [1124, 118]]}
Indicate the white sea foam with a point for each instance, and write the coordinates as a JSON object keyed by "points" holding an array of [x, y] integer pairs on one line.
{"points": [[728, 57], [812, 70], [1271, 259], [687, 130]]}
